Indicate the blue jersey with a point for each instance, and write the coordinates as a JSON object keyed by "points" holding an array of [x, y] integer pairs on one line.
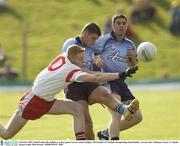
{"points": [[89, 54], [113, 53]]}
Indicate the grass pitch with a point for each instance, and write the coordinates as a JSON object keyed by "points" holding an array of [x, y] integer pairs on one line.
{"points": [[160, 111]]}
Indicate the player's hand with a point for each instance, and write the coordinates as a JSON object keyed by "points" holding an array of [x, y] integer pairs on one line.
{"points": [[132, 57], [99, 62], [128, 72], [131, 53]]}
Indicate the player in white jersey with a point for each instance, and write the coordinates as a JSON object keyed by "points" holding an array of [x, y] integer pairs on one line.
{"points": [[63, 70], [41, 99]]}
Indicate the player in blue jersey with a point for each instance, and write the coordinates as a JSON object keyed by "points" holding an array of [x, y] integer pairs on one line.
{"points": [[88, 93], [88, 36], [116, 54]]}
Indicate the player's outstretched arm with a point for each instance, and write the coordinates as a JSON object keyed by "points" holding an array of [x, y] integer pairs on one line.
{"points": [[98, 77], [104, 77]]}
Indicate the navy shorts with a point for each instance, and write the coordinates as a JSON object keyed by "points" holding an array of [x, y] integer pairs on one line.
{"points": [[120, 87], [80, 91]]}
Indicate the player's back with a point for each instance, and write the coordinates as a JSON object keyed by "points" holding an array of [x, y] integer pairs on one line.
{"points": [[53, 78]]}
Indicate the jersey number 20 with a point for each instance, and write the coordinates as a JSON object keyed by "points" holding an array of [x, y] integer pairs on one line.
{"points": [[56, 63]]}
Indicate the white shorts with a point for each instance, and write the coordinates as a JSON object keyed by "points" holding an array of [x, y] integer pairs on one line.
{"points": [[32, 107]]}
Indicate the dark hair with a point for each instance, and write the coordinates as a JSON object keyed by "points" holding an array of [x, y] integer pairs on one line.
{"points": [[92, 28], [116, 16]]}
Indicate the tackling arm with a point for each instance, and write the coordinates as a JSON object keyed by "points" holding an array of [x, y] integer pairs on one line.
{"points": [[104, 77]]}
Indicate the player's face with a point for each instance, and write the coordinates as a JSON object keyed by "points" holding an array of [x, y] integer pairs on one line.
{"points": [[91, 38], [79, 59], [120, 27]]}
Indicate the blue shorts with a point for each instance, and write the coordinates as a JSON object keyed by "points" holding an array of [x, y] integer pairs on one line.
{"points": [[120, 87]]}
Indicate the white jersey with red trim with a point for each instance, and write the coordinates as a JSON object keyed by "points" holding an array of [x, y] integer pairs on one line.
{"points": [[55, 77]]}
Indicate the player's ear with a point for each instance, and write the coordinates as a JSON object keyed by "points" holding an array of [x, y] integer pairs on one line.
{"points": [[71, 58], [86, 33]]}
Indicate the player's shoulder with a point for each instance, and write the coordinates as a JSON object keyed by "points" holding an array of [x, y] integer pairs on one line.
{"points": [[67, 43], [129, 42], [104, 38], [71, 41]]}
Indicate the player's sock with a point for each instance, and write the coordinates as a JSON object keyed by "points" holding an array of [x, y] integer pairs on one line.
{"points": [[103, 135], [115, 138], [121, 108], [80, 136], [105, 132]]}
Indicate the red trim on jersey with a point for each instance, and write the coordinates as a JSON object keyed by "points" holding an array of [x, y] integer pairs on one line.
{"points": [[69, 76]]}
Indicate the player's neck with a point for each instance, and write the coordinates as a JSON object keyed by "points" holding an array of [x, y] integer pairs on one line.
{"points": [[119, 38], [82, 39]]}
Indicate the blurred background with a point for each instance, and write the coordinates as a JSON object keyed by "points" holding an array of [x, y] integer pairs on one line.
{"points": [[32, 33]]}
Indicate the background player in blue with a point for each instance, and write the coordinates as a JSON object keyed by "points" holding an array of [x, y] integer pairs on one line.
{"points": [[87, 93], [117, 53], [88, 36]]}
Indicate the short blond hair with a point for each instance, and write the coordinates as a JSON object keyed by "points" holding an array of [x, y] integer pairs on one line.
{"points": [[73, 50]]}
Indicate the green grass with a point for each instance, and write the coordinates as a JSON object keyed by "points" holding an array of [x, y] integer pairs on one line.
{"points": [[160, 112], [49, 23]]}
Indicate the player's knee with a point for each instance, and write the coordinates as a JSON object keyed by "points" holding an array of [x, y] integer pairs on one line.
{"points": [[104, 94], [138, 118]]}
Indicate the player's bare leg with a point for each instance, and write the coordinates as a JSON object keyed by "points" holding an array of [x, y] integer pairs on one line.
{"points": [[88, 121], [100, 95], [136, 118], [15, 124], [73, 108], [116, 125]]}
